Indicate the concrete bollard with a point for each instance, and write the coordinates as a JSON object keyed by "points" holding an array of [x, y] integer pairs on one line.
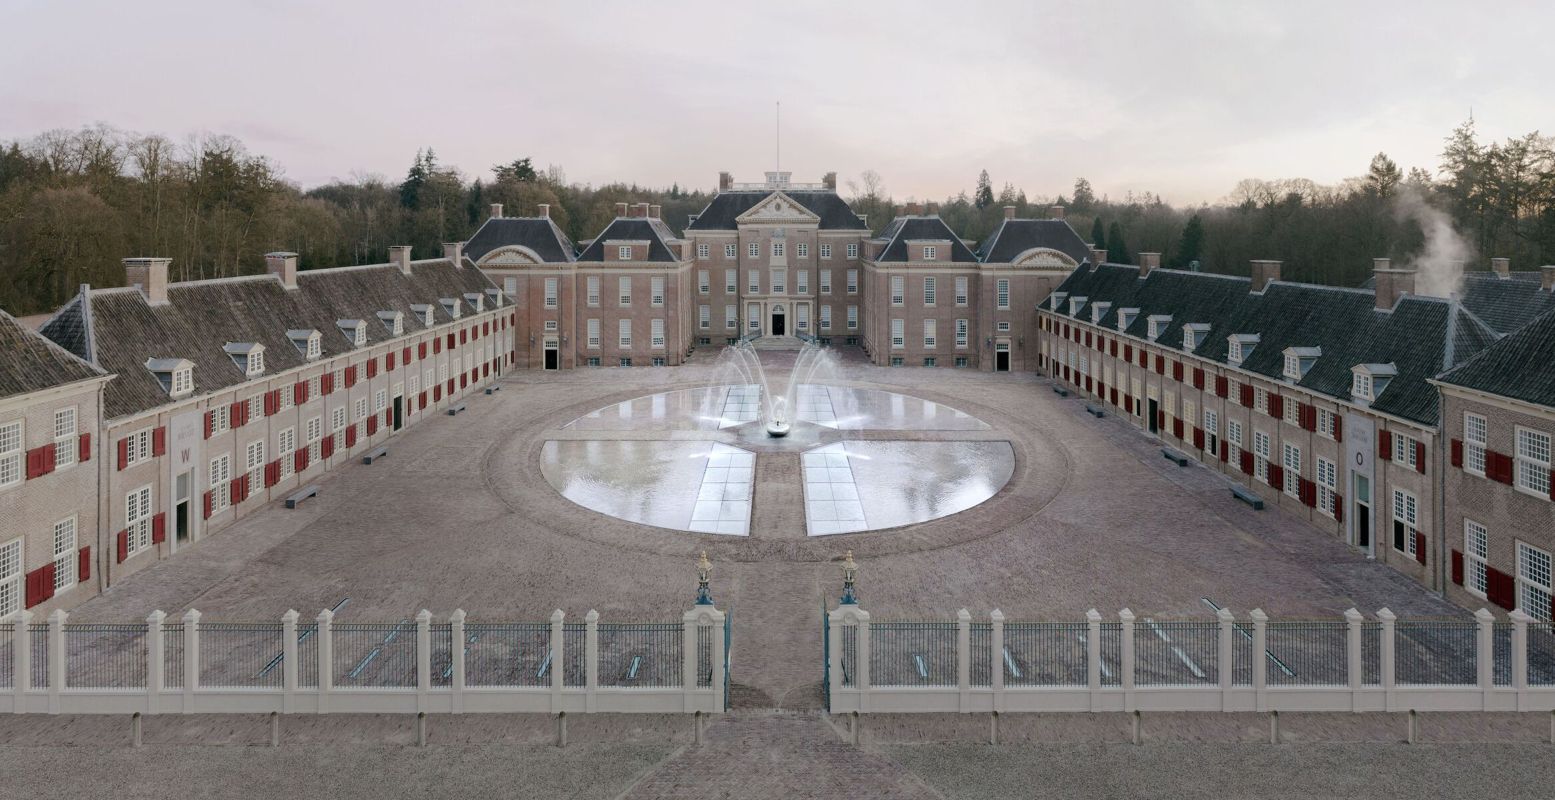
{"points": [[1552, 726], [696, 722], [993, 728], [275, 729], [561, 729], [421, 729], [135, 729], [854, 723], [1413, 730], [1139, 732], [1274, 727]]}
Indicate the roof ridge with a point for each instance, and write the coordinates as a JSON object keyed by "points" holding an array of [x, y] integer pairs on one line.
{"points": [[50, 344]]}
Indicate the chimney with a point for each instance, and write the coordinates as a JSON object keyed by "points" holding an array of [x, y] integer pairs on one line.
{"points": [[829, 180], [399, 256], [1147, 262], [1009, 212], [1502, 267], [496, 211], [653, 211], [1263, 272], [1056, 212], [454, 252], [149, 275], [1547, 277], [620, 209], [642, 210], [931, 208], [1392, 283], [913, 210], [725, 181], [1098, 256], [283, 265], [545, 211]]}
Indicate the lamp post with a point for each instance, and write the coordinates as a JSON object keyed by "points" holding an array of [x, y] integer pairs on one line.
{"points": [[849, 577], [704, 569]]}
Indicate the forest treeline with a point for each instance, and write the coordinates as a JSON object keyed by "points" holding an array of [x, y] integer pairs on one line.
{"points": [[73, 203]]}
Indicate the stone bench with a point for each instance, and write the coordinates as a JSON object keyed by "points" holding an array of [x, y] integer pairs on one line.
{"points": [[1094, 411], [452, 410], [300, 495], [1060, 391], [494, 388], [1175, 457], [1247, 496], [375, 454]]}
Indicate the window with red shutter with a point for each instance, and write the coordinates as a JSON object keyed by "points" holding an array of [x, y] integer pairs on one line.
{"points": [[122, 544], [124, 453], [1457, 452], [1247, 395], [1420, 457], [1225, 452], [388, 362], [300, 392], [1198, 438], [235, 490], [405, 354], [1420, 547], [1385, 445], [209, 499], [159, 441], [1457, 567], [1247, 462], [421, 351], [1221, 385], [1276, 406], [159, 528], [1338, 428], [1177, 371], [84, 564], [84, 447], [210, 423], [1198, 378]]}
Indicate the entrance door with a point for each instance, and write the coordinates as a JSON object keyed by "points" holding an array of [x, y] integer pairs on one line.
{"points": [[552, 355], [1001, 358], [1363, 512], [778, 328], [1152, 420], [181, 500], [399, 412]]}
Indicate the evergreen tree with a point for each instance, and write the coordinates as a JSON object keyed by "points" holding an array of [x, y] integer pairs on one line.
{"points": [[1192, 241], [416, 178], [519, 170], [1383, 177], [1098, 235], [984, 196], [1117, 249], [1084, 198]]}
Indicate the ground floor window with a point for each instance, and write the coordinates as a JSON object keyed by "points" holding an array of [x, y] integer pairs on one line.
{"points": [[1533, 581], [658, 361], [10, 577], [591, 361], [254, 463], [625, 362], [963, 361], [287, 445], [1476, 551], [1327, 486], [929, 361], [1211, 431], [221, 473], [1234, 439], [137, 520], [65, 561], [1292, 463], [896, 361], [1261, 455], [1406, 521]]}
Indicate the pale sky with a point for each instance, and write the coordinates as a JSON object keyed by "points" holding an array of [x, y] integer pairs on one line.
{"points": [[1183, 99]]}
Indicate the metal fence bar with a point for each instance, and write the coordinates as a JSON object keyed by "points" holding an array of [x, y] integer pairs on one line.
{"points": [[1176, 653], [239, 654], [508, 654], [38, 635], [912, 653], [374, 654], [1308, 653], [1436, 652], [642, 654], [1044, 654], [105, 656]]}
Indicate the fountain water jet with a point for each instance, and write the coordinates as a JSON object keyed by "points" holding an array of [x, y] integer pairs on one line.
{"points": [[776, 408]]}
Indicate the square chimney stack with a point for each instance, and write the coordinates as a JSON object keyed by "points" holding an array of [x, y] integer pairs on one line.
{"points": [[1055, 212], [399, 256], [283, 265], [1098, 256], [1502, 267], [725, 181], [1392, 283], [653, 211], [149, 275], [1547, 277], [496, 211], [620, 209], [454, 252], [1009, 212], [1147, 262], [1264, 272], [545, 210], [642, 210]]}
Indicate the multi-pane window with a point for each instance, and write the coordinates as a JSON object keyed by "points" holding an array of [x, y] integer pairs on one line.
{"points": [[825, 251], [779, 281], [930, 331], [550, 292], [962, 327], [137, 520], [802, 281], [220, 475], [337, 417], [853, 251], [802, 250], [1406, 521], [140, 443], [1261, 401], [624, 290], [624, 333], [1002, 294], [656, 291], [802, 318], [1327, 486], [1211, 430], [825, 318], [930, 253], [381, 397], [1360, 387], [898, 333], [704, 251], [1533, 462], [1292, 461], [288, 399], [592, 327], [961, 290], [655, 334], [930, 290], [852, 280], [1261, 453], [753, 250], [1476, 551], [254, 463], [593, 290], [753, 281], [704, 281], [898, 290], [704, 317], [1475, 431], [314, 432], [730, 250], [1533, 581], [731, 281], [11, 453], [731, 317], [852, 318], [1326, 422], [825, 280], [1404, 451], [1293, 413], [11, 577], [65, 445], [65, 560], [624, 252], [777, 249], [286, 446]]}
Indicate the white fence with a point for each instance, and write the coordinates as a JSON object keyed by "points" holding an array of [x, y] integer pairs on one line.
{"points": [[1225, 664], [192, 666]]}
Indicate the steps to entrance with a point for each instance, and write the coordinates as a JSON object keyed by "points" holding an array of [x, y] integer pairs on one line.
{"points": [[777, 343]]}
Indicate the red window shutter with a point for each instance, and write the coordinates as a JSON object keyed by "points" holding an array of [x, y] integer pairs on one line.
{"points": [[1457, 567], [351, 436], [210, 423], [35, 463], [486, 328], [1177, 428], [372, 368], [1128, 403], [84, 563], [1247, 462], [235, 414], [326, 384], [300, 392], [1160, 365], [1420, 547], [1420, 457], [405, 355], [1276, 475], [464, 380], [1198, 438], [159, 528], [47, 580], [1247, 395], [1114, 392], [1225, 452], [159, 441], [421, 400], [1198, 378], [1128, 352], [34, 587], [1114, 348], [1338, 428], [270, 405], [50, 454], [437, 345], [84, 447], [1087, 338], [486, 370], [1177, 371], [1143, 357], [1385, 445], [1457, 452], [388, 417], [327, 446], [450, 387], [372, 425], [350, 376], [1276, 406], [450, 341], [1339, 508], [210, 502], [437, 393], [421, 351], [300, 460], [1222, 386], [1160, 420], [1309, 493], [235, 490], [122, 544], [388, 362]]}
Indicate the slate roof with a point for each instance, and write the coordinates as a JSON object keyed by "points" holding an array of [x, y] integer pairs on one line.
{"points": [[636, 229], [118, 330], [903, 229], [539, 234], [1505, 304], [1520, 366], [1016, 236], [31, 363], [725, 207], [1422, 336]]}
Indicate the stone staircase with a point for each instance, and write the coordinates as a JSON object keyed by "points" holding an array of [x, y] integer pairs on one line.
{"points": [[777, 343]]}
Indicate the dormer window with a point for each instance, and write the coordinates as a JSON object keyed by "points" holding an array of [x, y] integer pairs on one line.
{"points": [[1157, 325], [451, 305], [247, 356], [1058, 300], [1240, 347], [476, 301], [1300, 359], [496, 297], [1075, 304], [1126, 317], [308, 342], [1099, 310], [1193, 334], [1369, 381], [355, 331], [423, 312], [393, 320], [175, 374]]}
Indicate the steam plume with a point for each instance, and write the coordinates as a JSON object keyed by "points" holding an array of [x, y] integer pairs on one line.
{"points": [[1440, 263]]}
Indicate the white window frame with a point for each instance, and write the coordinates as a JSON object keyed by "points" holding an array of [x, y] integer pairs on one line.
{"points": [[777, 249], [254, 461], [753, 281], [704, 317], [624, 291], [930, 253], [963, 329], [731, 250], [593, 291], [1404, 451], [286, 445], [66, 560], [1534, 567], [552, 287], [731, 317], [12, 576], [852, 277], [656, 333], [930, 333], [1327, 486], [704, 281], [1406, 510], [137, 520], [802, 281], [801, 250], [825, 251], [66, 445], [1531, 471], [12, 448], [1002, 294], [825, 280], [852, 318], [930, 291], [853, 250], [624, 333], [1262, 452], [1290, 459], [1476, 557], [1476, 434], [656, 291], [753, 250], [220, 476], [898, 291], [624, 252], [961, 291], [731, 281], [826, 317], [704, 251], [898, 334]]}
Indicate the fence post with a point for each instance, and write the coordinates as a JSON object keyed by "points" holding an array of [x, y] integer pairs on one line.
{"points": [[21, 658], [423, 659], [191, 658], [57, 657], [1520, 620], [1352, 650], [1093, 657], [834, 654], [688, 659], [456, 633], [1126, 657], [591, 659], [1385, 663], [996, 659], [558, 658], [1225, 653], [719, 701], [289, 660], [326, 647], [963, 658], [156, 644], [1260, 659], [863, 660], [1485, 655]]}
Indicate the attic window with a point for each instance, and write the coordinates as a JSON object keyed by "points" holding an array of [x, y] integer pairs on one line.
{"points": [[451, 305], [1300, 359], [394, 321], [1158, 323], [1058, 300], [1126, 318], [355, 331], [247, 356], [496, 297], [1075, 304], [1099, 310], [1369, 381], [1240, 347], [1193, 334], [423, 311], [308, 342], [175, 374], [476, 301]]}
